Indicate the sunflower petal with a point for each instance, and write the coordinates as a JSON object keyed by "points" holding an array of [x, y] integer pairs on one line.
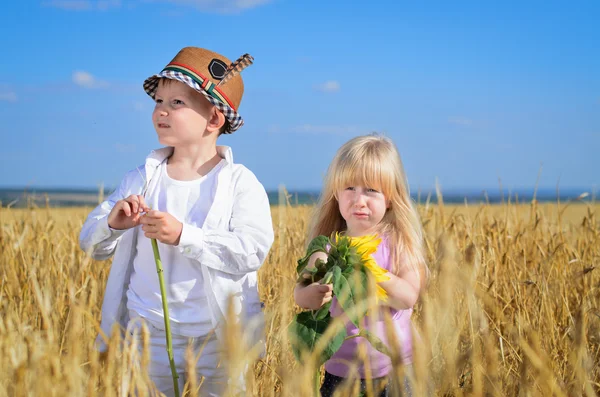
{"points": [[365, 247], [381, 293]]}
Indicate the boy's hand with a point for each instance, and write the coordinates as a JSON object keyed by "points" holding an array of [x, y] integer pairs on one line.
{"points": [[127, 212], [162, 226], [315, 295]]}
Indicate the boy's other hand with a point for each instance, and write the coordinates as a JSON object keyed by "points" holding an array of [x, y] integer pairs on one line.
{"points": [[162, 226], [127, 212], [315, 295]]}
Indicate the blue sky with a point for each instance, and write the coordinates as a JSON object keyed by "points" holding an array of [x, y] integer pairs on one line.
{"points": [[470, 91]]}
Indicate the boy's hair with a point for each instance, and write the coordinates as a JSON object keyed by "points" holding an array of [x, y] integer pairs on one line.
{"points": [[224, 128], [373, 161]]}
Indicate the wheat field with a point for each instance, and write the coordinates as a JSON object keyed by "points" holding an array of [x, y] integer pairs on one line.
{"points": [[512, 307]]}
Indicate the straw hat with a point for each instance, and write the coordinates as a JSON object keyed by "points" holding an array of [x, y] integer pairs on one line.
{"points": [[212, 75]]}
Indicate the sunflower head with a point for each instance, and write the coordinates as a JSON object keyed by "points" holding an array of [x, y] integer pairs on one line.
{"points": [[365, 247]]}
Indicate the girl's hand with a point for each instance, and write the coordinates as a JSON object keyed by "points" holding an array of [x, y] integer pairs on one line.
{"points": [[162, 226], [127, 212], [314, 295]]}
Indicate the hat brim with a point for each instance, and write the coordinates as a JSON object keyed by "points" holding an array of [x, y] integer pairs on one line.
{"points": [[234, 118]]}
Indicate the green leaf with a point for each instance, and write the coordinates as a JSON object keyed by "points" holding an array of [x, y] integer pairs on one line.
{"points": [[337, 272], [305, 331], [343, 242], [322, 312], [350, 288], [307, 271], [327, 277], [347, 270], [318, 244], [321, 265], [314, 273], [343, 250], [352, 257], [333, 253]]}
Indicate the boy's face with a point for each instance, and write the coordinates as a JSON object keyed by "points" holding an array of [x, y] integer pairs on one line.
{"points": [[181, 114]]}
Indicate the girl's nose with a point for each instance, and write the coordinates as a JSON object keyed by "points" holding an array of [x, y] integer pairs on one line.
{"points": [[359, 200]]}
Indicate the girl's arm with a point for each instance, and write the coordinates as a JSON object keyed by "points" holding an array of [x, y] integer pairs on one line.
{"points": [[403, 290], [314, 295]]}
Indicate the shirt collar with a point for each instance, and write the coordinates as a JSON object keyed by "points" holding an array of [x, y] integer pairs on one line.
{"points": [[156, 157]]}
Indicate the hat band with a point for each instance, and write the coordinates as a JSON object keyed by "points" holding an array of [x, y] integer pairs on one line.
{"points": [[202, 81]]}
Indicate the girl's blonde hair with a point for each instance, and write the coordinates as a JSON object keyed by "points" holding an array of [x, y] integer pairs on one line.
{"points": [[373, 161]]}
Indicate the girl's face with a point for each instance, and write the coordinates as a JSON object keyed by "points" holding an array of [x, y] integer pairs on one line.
{"points": [[362, 208]]}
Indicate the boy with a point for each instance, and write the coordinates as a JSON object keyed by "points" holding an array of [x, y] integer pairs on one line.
{"points": [[210, 216]]}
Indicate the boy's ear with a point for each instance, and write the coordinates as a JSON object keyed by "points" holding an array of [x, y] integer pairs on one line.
{"points": [[216, 120]]}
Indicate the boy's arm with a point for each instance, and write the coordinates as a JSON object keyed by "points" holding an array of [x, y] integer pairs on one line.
{"points": [[96, 238], [244, 247]]}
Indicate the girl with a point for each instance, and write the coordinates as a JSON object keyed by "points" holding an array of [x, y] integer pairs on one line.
{"points": [[366, 193]]}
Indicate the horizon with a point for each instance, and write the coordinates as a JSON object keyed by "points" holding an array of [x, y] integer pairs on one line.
{"points": [[452, 190], [454, 194], [18, 198]]}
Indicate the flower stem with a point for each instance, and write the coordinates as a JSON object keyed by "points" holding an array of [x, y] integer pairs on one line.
{"points": [[318, 382], [163, 295], [327, 278]]}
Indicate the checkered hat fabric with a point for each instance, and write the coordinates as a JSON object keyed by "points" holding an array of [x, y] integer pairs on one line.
{"points": [[203, 71]]}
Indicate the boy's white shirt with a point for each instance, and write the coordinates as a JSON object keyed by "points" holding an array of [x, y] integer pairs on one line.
{"points": [[230, 247], [189, 202]]}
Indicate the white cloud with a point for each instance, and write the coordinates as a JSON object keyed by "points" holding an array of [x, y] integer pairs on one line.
{"points": [[218, 6], [83, 5], [86, 80], [8, 96], [460, 121], [319, 129], [328, 86]]}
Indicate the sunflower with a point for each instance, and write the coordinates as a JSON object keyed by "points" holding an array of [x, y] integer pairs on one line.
{"points": [[366, 247]]}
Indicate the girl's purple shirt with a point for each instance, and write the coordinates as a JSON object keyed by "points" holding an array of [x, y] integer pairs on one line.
{"points": [[345, 359]]}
